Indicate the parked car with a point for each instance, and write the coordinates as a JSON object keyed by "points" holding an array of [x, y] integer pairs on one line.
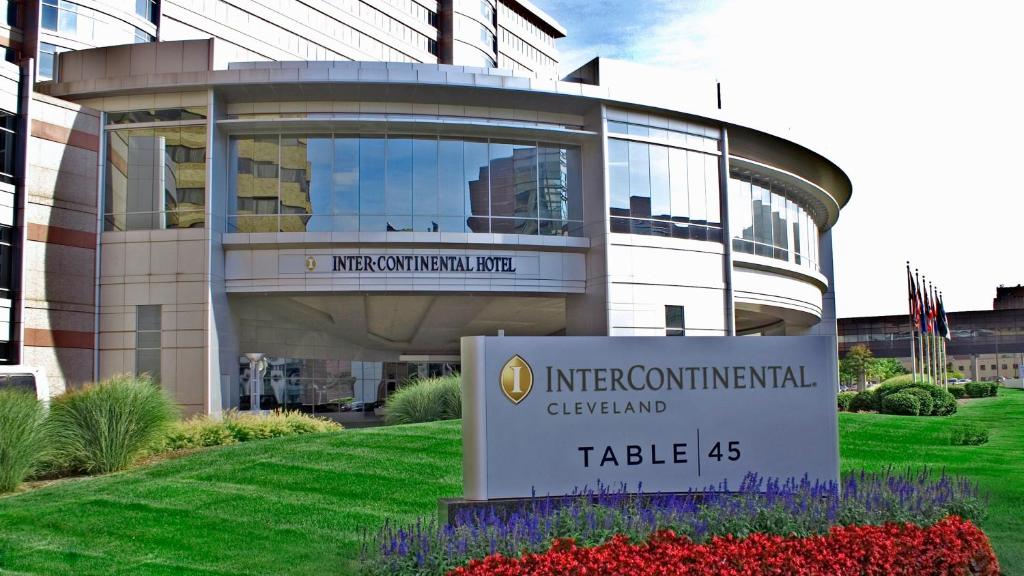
{"points": [[360, 406], [26, 378]]}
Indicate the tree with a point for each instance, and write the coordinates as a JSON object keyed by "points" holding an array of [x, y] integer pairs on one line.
{"points": [[885, 368], [859, 360]]}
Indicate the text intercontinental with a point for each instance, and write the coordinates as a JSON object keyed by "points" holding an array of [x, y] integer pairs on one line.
{"points": [[640, 378]]}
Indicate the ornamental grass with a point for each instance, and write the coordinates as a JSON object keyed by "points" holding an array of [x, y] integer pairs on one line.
{"points": [[427, 400], [105, 426], [22, 436]]}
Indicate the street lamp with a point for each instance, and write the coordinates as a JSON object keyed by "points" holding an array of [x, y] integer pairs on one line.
{"points": [[255, 381]]}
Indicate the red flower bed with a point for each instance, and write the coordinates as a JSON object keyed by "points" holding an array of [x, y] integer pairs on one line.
{"points": [[950, 547]]}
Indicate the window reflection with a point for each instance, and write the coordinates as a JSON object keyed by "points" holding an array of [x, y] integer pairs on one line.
{"points": [[330, 386], [765, 222], [403, 183], [156, 178], [663, 191]]}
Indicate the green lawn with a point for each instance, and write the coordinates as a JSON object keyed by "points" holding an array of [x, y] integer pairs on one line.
{"points": [[874, 441], [299, 505], [287, 506]]}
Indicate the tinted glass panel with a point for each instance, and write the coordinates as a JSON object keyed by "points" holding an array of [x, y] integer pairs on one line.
{"points": [[345, 176], [425, 178], [618, 176], [320, 182], [156, 178], [371, 176]]}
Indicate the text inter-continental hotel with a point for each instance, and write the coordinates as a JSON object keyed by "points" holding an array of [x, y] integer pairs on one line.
{"points": [[349, 187]]}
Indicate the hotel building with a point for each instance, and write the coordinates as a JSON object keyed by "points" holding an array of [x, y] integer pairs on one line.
{"points": [[349, 187]]}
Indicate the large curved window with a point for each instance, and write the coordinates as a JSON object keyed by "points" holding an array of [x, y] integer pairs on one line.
{"points": [[397, 183], [765, 222], [663, 191]]}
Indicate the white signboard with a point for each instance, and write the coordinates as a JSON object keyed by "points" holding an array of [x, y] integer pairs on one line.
{"points": [[548, 415]]}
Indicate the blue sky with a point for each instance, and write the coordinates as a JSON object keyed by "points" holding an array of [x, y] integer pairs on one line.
{"points": [[920, 102]]}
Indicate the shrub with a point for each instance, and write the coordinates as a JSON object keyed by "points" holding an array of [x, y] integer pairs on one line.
{"points": [[899, 384], [951, 546], [977, 389], [245, 426], [863, 402], [233, 427], [22, 436], [993, 388], [426, 401], [197, 432], [902, 403], [105, 426], [944, 403], [844, 399], [937, 403], [957, 392], [968, 434], [925, 397]]}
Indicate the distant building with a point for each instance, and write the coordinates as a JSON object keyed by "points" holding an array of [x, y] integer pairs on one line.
{"points": [[1009, 298], [985, 344]]}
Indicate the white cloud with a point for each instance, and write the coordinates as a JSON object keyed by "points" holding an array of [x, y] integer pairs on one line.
{"points": [[919, 102]]}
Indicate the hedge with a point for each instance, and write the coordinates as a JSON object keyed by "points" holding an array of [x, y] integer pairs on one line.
{"points": [[981, 389], [844, 399], [924, 397], [864, 402], [902, 403]]}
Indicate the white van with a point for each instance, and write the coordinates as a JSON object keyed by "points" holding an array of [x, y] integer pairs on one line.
{"points": [[26, 378]]}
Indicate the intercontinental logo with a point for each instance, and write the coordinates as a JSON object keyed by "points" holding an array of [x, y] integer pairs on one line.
{"points": [[310, 263], [516, 379]]}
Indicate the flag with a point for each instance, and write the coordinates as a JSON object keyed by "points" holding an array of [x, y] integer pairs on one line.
{"points": [[944, 321], [933, 312], [921, 316], [926, 326], [915, 301]]}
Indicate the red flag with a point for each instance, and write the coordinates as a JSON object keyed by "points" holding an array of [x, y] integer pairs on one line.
{"points": [[933, 312], [915, 299]]}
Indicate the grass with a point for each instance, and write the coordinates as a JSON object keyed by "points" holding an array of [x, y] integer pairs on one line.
{"points": [[298, 505], [22, 436], [874, 441], [286, 506], [427, 400]]}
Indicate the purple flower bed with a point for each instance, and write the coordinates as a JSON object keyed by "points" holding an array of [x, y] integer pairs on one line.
{"points": [[793, 507]]}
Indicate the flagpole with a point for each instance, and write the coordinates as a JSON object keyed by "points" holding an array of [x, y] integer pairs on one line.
{"points": [[929, 345], [931, 336], [921, 331], [913, 328], [939, 370], [945, 339]]}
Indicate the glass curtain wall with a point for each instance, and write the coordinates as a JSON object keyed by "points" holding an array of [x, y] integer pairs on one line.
{"points": [[324, 386], [765, 222], [156, 177], [403, 183], [663, 191]]}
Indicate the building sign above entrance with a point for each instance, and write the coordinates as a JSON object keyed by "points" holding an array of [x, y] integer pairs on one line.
{"points": [[553, 415], [418, 263], [343, 269]]}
